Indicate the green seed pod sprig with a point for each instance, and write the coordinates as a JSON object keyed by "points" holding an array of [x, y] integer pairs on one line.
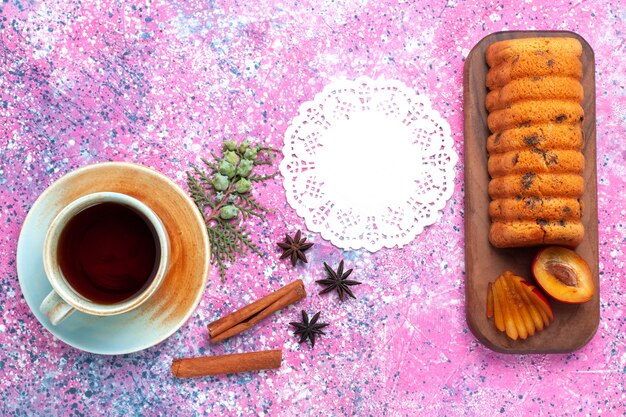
{"points": [[223, 189]]}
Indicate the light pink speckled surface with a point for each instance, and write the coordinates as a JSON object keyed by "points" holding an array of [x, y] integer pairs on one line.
{"points": [[161, 83]]}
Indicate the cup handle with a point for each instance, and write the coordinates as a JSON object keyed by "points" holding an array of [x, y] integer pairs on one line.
{"points": [[55, 308]]}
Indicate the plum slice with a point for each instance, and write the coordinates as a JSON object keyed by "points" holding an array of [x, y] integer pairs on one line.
{"points": [[563, 275], [517, 307]]}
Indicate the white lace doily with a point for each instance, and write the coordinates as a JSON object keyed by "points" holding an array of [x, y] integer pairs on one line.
{"points": [[368, 163]]}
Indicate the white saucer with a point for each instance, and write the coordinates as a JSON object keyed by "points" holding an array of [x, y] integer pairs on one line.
{"points": [[173, 303]]}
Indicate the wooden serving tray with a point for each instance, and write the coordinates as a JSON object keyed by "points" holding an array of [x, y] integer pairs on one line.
{"points": [[574, 325]]}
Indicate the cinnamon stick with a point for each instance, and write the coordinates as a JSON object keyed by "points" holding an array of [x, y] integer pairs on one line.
{"points": [[251, 314], [226, 364]]}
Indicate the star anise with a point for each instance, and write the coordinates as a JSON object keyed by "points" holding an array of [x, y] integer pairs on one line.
{"points": [[308, 329], [337, 281], [294, 248]]}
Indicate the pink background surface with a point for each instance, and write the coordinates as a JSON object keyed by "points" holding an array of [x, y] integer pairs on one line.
{"points": [[161, 83]]}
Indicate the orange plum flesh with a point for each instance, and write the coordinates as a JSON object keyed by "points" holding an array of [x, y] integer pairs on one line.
{"points": [[518, 310]]}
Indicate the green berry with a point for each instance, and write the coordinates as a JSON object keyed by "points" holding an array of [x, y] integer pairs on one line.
{"points": [[229, 212], [244, 145], [243, 186], [218, 196], [231, 157], [220, 182], [231, 145], [245, 168], [250, 154], [226, 168]]}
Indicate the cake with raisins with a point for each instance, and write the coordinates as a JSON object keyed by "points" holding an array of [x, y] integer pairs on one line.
{"points": [[535, 157]]}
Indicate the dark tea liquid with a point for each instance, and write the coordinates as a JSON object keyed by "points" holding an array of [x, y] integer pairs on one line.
{"points": [[108, 253]]}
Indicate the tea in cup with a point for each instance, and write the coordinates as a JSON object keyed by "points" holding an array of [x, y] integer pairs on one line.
{"points": [[105, 253]]}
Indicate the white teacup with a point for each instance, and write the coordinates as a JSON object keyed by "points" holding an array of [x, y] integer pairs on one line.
{"points": [[114, 253]]}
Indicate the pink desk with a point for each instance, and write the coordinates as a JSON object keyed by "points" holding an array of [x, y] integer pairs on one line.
{"points": [[161, 83]]}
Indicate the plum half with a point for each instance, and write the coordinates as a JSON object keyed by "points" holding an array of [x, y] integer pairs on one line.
{"points": [[563, 275]]}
